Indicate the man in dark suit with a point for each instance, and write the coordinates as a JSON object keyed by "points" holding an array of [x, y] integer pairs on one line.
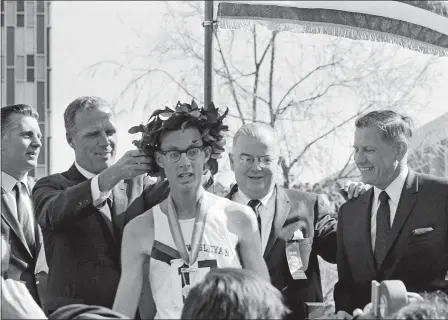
{"points": [[83, 211], [398, 230], [21, 142], [283, 215]]}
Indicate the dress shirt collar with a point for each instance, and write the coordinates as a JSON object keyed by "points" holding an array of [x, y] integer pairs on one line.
{"points": [[242, 198], [84, 172], [9, 182], [395, 188]]}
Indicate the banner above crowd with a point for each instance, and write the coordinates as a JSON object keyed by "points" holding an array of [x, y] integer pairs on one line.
{"points": [[417, 25]]}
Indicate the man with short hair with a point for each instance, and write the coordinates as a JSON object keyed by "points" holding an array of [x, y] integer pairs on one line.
{"points": [[83, 211], [397, 230], [21, 142], [294, 226]]}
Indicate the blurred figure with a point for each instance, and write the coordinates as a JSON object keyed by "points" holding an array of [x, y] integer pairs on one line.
{"points": [[20, 147], [234, 294], [396, 230], [433, 306]]}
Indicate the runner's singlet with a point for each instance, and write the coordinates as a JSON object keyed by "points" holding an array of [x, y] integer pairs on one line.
{"points": [[217, 250]]}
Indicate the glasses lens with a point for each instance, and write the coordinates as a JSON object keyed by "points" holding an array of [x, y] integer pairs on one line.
{"points": [[246, 160], [193, 153], [173, 156], [265, 160]]}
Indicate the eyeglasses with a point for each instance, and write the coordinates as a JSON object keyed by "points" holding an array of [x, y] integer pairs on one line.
{"points": [[174, 155], [248, 160]]}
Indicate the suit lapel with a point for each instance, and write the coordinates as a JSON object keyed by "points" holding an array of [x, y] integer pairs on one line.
{"points": [[361, 223], [10, 219], [282, 208], [407, 200]]}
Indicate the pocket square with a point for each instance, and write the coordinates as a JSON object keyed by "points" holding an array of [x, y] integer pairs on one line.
{"points": [[421, 231]]}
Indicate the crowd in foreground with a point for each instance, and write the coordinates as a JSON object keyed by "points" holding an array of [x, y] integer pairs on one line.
{"points": [[111, 237]]}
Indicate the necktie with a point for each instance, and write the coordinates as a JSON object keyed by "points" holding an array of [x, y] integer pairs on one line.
{"points": [[23, 215], [255, 204], [106, 210], [382, 227]]}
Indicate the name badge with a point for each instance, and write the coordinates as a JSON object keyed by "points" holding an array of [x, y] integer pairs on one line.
{"points": [[295, 261]]}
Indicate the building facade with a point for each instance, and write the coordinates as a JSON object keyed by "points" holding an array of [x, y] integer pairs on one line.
{"points": [[25, 64]]}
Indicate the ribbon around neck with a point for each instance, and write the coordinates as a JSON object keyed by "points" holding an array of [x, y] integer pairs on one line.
{"points": [[198, 229]]}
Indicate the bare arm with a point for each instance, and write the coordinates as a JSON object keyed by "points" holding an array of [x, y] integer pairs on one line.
{"points": [[249, 244], [133, 253]]}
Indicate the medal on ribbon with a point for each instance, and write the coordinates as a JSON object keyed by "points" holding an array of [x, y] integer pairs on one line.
{"points": [[198, 232]]}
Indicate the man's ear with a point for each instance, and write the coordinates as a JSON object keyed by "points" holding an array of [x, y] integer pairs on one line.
{"points": [[402, 148], [158, 158], [70, 140], [208, 152], [231, 161]]}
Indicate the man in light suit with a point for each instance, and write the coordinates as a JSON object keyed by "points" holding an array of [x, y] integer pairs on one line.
{"points": [[21, 143], [283, 215], [397, 230], [83, 210]]}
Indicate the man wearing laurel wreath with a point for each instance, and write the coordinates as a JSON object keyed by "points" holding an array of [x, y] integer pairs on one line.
{"points": [[192, 231]]}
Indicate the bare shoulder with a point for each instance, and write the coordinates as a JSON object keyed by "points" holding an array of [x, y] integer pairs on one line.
{"points": [[238, 215], [140, 230]]}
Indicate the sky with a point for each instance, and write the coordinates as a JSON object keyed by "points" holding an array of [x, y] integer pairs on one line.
{"points": [[87, 32]]}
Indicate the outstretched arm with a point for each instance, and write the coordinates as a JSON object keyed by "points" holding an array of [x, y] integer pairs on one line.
{"points": [[249, 245], [133, 253]]}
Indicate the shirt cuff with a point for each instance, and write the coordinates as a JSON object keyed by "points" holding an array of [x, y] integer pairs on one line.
{"points": [[98, 197]]}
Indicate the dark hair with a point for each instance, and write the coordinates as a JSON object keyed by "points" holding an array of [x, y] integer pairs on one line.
{"points": [[393, 126], [433, 306], [79, 104], [21, 109], [234, 294]]}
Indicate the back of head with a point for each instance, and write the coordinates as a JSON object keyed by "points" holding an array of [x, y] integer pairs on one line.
{"points": [[8, 111], [258, 130], [433, 306], [234, 294], [80, 104], [393, 126]]}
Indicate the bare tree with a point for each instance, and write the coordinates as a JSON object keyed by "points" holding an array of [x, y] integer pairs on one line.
{"points": [[293, 82]]}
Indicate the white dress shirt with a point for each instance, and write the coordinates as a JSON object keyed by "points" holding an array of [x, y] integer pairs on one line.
{"points": [[394, 192], [8, 184], [98, 197], [266, 217]]}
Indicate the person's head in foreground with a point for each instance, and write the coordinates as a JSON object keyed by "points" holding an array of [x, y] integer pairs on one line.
{"points": [[255, 159], [433, 306], [381, 146], [234, 294], [185, 142]]}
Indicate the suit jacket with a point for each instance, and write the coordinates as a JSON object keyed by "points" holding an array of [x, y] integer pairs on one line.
{"points": [[419, 260], [82, 246], [305, 211], [24, 263]]}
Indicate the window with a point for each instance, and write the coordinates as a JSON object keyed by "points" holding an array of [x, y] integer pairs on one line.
{"points": [[40, 34], [3, 69], [30, 14], [3, 18], [20, 41], [40, 6], [10, 82], [48, 88], [10, 52], [20, 92], [20, 68], [10, 13], [30, 39], [30, 75], [20, 6], [30, 60], [40, 98], [40, 68], [3, 6], [20, 20]]}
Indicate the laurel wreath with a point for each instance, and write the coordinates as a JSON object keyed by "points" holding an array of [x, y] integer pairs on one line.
{"points": [[208, 121]]}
